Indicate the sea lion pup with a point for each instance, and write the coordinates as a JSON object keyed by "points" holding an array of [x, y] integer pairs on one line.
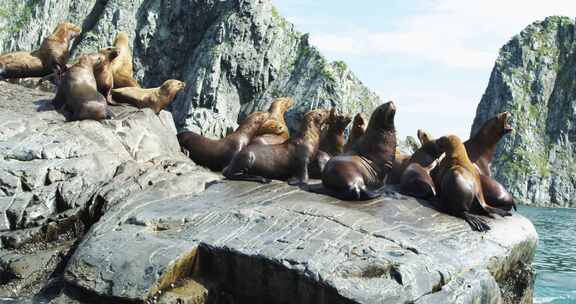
{"points": [[103, 74], [155, 99], [332, 141], [215, 154], [355, 174], [286, 161], [459, 185], [122, 67], [78, 90], [358, 129], [275, 131], [481, 148], [50, 58], [416, 180]]}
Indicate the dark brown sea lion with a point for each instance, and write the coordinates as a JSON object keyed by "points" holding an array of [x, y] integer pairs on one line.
{"points": [[78, 90], [460, 187], [400, 163], [275, 131], [155, 99], [122, 67], [286, 161], [481, 148], [416, 180], [50, 58], [216, 154], [103, 74], [356, 174], [332, 141], [358, 129]]}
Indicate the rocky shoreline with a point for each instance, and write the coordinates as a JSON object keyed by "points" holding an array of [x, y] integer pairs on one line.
{"points": [[114, 211]]}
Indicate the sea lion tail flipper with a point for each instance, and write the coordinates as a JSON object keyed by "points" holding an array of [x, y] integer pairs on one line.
{"points": [[476, 222]]}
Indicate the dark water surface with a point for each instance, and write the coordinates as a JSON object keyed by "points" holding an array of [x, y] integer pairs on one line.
{"points": [[555, 262]]}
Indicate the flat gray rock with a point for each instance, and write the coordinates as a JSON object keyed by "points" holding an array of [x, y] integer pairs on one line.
{"points": [[278, 244]]}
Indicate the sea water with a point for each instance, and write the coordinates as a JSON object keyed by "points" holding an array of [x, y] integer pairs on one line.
{"points": [[555, 262]]}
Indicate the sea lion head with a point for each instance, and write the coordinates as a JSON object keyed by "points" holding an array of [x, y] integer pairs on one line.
{"points": [[317, 117], [121, 39], [338, 121], [383, 117], [449, 143], [172, 86], [109, 53], [281, 104], [359, 121], [424, 136], [503, 122], [68, 29], [92, 59]]}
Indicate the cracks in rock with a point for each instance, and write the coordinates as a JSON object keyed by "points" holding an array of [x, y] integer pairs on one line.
{"points": [[362, 231], [90, 22]]}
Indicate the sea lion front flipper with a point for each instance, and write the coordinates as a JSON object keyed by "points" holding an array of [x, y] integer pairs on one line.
{"points": [[476, 222], [249, 178], [489, 209]]}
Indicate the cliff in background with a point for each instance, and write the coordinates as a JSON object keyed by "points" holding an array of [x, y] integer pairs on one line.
{"points": [[235, 56], [535, 79]]}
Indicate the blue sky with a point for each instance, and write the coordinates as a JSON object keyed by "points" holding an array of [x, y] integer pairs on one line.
{"points": [[433, 57]]}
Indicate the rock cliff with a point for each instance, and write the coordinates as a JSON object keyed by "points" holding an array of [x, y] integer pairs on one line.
{"points": [[235, 55], [113, 212], [535, 79]]}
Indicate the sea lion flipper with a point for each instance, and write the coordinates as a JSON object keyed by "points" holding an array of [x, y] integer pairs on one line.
{"points": [[476, 222], [249, 178], [489, 209]]}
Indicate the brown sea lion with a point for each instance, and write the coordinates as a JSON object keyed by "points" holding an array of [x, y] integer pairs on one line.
{"points": [[358, 129], [155, 99], [104, 76], [400, 163], [332, 141], [50, 58], [122, 67], [481, 148], [215, 154], [275, 131], [286, 161], [416, 180], [78, 90], [460, 187], [356, 174]]}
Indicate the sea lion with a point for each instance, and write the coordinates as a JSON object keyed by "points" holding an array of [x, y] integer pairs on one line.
{"points": [[415, 179], [122, 67], [155, 99], [50, 58], [275, 131], [460, 187], [356, 174], [215, 154], [332, 141], [78, 90], [481, 148], [358, 129], [104, 76], [286, 161], [399, 164]]}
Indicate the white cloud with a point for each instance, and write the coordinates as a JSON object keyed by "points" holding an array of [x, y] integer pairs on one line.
{"points": [[453, 33]]}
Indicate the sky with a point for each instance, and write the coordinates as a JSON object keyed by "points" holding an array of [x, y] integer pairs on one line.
{"points": [[433, 58]]}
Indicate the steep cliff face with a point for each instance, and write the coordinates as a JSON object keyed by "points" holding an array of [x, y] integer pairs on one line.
{"points": [[535, 79], [235, 56]]}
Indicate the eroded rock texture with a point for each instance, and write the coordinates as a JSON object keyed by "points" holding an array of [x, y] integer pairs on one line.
{"points": [[535, 79], [235, 55]]}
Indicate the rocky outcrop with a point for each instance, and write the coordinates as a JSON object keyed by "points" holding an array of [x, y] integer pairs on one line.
{"points": [[535, 79], [113, 212], [235, 56], [58, 178]]}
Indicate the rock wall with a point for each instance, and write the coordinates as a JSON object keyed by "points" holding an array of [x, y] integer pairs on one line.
{"points": [[535, 79], [235, 55]]}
